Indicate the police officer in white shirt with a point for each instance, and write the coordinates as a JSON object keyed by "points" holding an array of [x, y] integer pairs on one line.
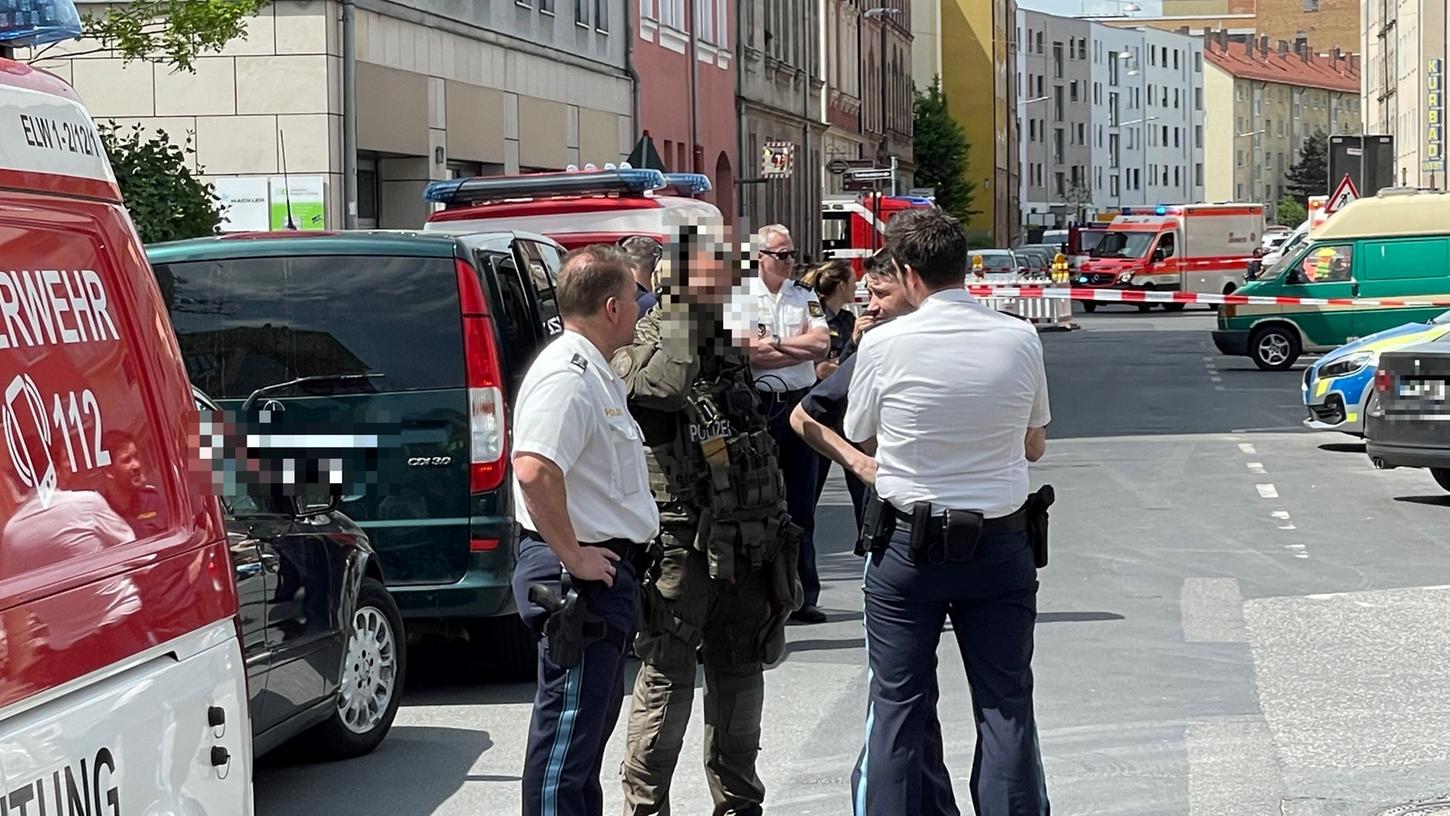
{"points": [[581, 495], [790, 336], [954, 398]]}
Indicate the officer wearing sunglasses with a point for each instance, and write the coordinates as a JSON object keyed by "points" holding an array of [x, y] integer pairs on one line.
{"points": [[789, 335]]}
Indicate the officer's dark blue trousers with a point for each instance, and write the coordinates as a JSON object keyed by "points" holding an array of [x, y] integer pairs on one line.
{"points": [[798, 462], [992, 603], [575, 709]]}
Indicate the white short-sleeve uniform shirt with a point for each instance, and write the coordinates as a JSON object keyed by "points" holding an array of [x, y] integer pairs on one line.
{"points": [[949, 392], [572, 410], [790, 312]]}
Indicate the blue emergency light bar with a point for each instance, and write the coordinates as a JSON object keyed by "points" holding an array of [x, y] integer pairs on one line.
{"points": [[1158, 210], [37, 22], [689, 184], [921, 201], [456, 192]]}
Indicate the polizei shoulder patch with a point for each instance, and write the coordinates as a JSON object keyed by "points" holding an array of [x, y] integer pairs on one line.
{"points": [[580, 363], [814, 307]]}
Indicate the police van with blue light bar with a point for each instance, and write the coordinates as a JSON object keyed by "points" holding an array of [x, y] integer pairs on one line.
{"points": [[576, 207], [123, 688]]}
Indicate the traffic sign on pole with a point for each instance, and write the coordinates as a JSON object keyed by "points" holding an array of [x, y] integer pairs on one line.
{"points": [[1344, 193]]}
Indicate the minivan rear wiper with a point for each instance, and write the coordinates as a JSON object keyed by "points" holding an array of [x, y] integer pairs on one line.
{"points": [[265, 390]]}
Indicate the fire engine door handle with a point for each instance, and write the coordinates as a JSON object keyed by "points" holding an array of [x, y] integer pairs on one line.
{"points": [[1354, 288]]}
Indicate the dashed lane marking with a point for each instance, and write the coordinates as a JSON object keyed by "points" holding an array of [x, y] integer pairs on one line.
{"points": [[1267, 491]]}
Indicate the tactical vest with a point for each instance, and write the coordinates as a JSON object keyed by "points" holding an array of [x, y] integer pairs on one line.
{"points": [[723, 464]]}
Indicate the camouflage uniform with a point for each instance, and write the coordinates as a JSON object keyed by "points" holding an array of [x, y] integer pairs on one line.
{"points": [[725, 577]]}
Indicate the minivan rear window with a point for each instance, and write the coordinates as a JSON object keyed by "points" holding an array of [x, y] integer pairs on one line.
{"points": [[244, 323]]}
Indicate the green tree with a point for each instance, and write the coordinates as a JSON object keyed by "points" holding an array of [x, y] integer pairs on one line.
{"points": [[167, 201], [1310, 175], [1290, 212], [167, 32], [940, 148]]}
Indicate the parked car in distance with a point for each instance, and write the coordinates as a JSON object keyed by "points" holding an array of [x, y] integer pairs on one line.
{"points": [[1337, 387], [1045, 251], [1032, 264], [997, 265], [322, 640], [444, 325], [1409, 417]]}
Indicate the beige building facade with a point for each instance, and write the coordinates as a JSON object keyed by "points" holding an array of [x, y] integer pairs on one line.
{"points": [[439, 94], [1402, 41]]}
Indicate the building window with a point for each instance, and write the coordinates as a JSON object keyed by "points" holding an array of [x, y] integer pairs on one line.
{"points": [[1114, 186], [1081, 133], [1057, 60], [1039, 42], [1176, 99], [1073, 95], [1198, 99], [1177, 177], [581, 12], [1197, 62], [601, 16], [705, 20], [1239, 161], [648, 9], [1113, 68], [1176, 54], [1311, 5], [1057, 103], [1198, 136], [672, 13], [1097, 93], [1198, 175]]}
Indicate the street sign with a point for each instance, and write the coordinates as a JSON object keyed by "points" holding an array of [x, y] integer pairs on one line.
{"points": [[873, 174], [1434, 161], [1343, 194], [837, 166], [777, 160]]}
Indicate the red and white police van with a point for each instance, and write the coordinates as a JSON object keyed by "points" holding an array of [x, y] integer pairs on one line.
{"points": [[854, 227], [122, 688], [576, 208], [1181, 248]]}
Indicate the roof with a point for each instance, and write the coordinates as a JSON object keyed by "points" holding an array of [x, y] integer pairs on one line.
{"points": [[1315, 71], [264, 244], [1392, 213]]}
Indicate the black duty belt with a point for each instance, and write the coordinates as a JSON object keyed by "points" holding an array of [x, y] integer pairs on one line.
{"points": [[1015, 523], [622, 547], [784, 396]]}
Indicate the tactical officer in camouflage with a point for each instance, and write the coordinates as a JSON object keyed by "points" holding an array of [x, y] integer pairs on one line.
{"points": [[725, 578]]}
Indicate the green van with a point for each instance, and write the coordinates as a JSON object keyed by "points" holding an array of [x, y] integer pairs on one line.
{"points": [[1393, 245], [420, 338]]}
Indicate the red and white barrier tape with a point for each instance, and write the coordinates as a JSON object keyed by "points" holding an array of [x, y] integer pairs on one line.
{"points": [[1202, 298]]}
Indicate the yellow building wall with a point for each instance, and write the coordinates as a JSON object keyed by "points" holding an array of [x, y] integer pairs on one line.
{"points": [[973, 32], [1218, 134]]}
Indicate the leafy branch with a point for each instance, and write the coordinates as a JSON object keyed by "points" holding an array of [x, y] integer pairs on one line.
{"points": [[167, 32]]}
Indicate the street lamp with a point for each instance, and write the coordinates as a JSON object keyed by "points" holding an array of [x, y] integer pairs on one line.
{"points": [[1045, 156], [1142, 151], [880, 14], [1247, 134]]}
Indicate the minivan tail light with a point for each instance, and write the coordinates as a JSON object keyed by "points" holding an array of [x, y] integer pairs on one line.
{"points": [[1383, 380], [488, 447]]}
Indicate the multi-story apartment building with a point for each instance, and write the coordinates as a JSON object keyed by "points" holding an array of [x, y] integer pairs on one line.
{"points": [[1324, 24], [1263, 102], [844, 69], [443, 89], [866, 61], [1404, 43], [1170, 71], [684, 57], [779, 100], [1119, 129], [1054, 104]]}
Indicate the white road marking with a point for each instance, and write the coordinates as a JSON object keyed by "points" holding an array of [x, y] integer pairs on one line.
{"points": [[1213, 610], [1256, 468], [1280, 514], [1247, 447], [1215, 379], [1267, 491]]}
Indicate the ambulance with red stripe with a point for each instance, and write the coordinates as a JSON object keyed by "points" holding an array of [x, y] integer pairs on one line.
{"points": [[1182, 248], [575, 207], [122, 686]]}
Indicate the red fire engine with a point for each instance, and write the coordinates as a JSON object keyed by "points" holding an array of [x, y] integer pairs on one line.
{"points": [[576, 208], [854, 228]]}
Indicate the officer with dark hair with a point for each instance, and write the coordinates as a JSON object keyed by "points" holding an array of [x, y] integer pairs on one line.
{"points": [[581, 496], [726, 574], [643, 254], [126, 489], [953, 399]]}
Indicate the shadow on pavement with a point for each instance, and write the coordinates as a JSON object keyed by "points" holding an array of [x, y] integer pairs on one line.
{"points": [[1077, 617], [824, 645], [437, 762], [1343, 447], [1433, 501]]}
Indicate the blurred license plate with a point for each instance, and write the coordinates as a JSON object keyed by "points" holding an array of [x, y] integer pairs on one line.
{"points": [[1423, 389]]}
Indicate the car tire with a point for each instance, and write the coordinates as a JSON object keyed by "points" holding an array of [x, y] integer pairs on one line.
{"points": [[1089, 306], [1442, 477], [1174, 307], [1274, 348], [374, 665], [511, 649]]}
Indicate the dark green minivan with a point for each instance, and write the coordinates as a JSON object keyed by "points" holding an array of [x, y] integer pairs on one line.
{"points": [[443, 327]]}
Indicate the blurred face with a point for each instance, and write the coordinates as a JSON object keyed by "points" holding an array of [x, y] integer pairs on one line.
{"points": [[888, 297], [777, 257], [712, 271]]}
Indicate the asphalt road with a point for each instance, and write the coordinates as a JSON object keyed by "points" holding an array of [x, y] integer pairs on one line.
{"points": [[1240, 617]]}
